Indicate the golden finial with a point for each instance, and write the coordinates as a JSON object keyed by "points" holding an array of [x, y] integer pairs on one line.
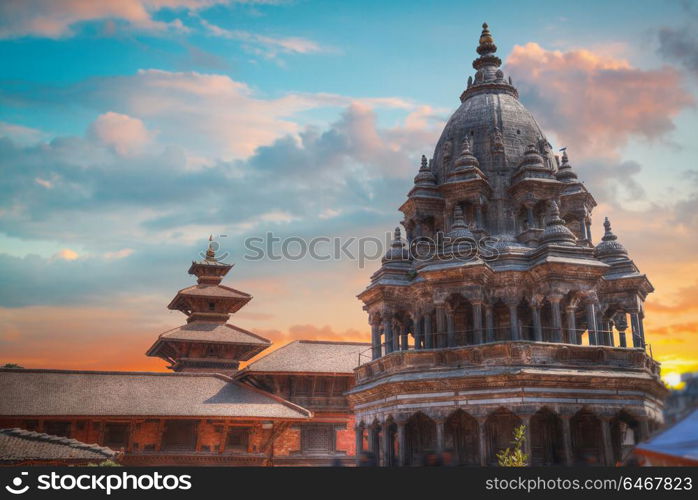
{"points": [[486, 36]]}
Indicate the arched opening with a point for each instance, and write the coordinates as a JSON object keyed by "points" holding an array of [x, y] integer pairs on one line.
{"points": [[390, 443], [462, 321], [420, 437], [499, 430], [587, 440], [625, 433], [462, 437], [547, 445]]}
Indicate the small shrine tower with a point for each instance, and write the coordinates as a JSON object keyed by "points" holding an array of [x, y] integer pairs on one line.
{"points": [[208, 343]]}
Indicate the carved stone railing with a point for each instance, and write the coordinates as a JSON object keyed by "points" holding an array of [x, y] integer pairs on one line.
{"points": [[509, 353]]}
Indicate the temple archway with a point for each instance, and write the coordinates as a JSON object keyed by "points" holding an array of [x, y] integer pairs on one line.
{"points": [[547, 445], [499, 430], [587, 440], [420, 437], [461, 435]]}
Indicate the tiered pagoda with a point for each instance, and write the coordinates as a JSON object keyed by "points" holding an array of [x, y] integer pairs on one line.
{"points": [[499, 309], [208, 343]]}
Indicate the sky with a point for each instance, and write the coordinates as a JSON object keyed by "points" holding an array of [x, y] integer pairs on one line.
{"points": [[130, 130]]}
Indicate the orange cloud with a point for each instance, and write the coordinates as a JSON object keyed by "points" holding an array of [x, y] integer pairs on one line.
{"points": [[127, 135], [594, 103]]}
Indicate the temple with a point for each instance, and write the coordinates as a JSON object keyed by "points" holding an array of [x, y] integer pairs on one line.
{"points": [[498, 309]]}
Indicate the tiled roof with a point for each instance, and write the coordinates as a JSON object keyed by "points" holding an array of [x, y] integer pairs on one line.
{"points": [[205, 290], [311, 356], [214, 332], [20, 445], [61, 392]]}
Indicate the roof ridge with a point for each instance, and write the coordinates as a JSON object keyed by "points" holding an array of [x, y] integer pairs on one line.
{"points": [[336, 342], [106, 372], [60, 440]]}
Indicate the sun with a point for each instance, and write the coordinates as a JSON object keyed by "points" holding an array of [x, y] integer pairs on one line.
{"points": [[672, 379]]}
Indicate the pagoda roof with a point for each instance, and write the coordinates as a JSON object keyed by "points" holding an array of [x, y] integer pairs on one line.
{"points": [[33, 392], [220, 333], [310, 356], [212, 291], [19, 445]]}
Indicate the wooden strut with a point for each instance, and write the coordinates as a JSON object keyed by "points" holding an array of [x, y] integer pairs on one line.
{"points": [[268, 445]]}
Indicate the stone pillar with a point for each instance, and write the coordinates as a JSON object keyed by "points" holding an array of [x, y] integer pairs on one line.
{"points": [[388, 333], [405, 338], [401, 444], [489, 323], [566, 439], [529, 216], [621, 323], [641, 318], [428, 333], [450, 328], [375, 340], [386, 448], [418, 332], [588, 225], [359, 436], [440, 422], [483, 440], [591, 322], [477, 322], [514, 320], [372, 440], [537, 329], [557, 318], [608, 327], [440, 334], [478, 216], [635, 326], [607, 445], [572, 334], [397, 328], [528, 450]]}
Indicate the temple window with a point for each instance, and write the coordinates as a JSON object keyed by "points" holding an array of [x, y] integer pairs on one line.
{"points": [[179, 435], [57, 428], [237, 439], [116, 434], [318, 438]]}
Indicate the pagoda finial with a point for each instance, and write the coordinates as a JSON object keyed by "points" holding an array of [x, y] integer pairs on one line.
{"points": [[608, 234], [425, 165], [210, 252]]}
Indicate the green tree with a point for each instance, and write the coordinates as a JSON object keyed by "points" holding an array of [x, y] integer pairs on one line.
{"points": [[514, 457], [11, 365]]}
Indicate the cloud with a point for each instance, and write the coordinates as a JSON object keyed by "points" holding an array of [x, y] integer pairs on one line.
{"points": [[59, 18], [267, 46], [595, 103], [67, 254], [680, 45], [127, 135]]}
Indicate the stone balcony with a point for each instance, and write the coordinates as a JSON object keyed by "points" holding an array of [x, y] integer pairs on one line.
{"points": [[509, 354]]}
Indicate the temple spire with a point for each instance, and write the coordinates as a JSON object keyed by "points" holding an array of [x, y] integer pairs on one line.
{"points": [[487, 50]]}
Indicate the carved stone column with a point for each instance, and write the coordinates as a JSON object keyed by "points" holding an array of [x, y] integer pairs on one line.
{"points": [[482, 434], [428, 332], [489, 323], [419, 332], [388, 332], [635, 326], [591, 322], [440, 423], [450, 328], [404, 338], [566, 439], [477, 322], [621, 323], [375, 338], [386, 447], [537, 329], [440, 334], [397, 329], [572, 334], [514, 319], [371, 434], [556, 317], [359, 436], [401, 444], [528, 450], [641, 318], [644, 429], [606, 438]]}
